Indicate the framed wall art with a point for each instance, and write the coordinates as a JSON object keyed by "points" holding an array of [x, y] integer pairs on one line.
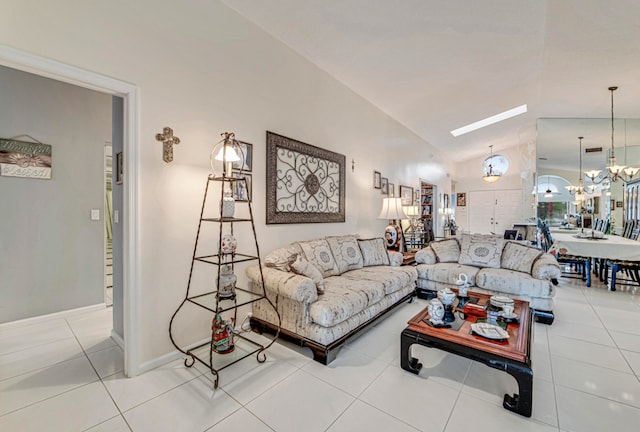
{"points": [[242, 190], [118, 171], [385, 186], [305, 183], [246, 163], [461, 199], [392, 190], [406, 193], [377, 180]]}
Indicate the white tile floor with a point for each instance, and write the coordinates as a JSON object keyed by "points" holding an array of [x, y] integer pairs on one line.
{"points": [[66, 375]]}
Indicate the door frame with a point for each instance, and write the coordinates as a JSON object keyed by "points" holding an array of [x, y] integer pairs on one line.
{"points": [[16, 59]]}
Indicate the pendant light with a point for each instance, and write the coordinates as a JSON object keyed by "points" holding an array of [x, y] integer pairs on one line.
{"points": [[490, 176], [548, 193]]}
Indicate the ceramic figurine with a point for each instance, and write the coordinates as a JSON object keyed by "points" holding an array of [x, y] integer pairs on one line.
{"points": [[222, 335], [446, 296], [463, 285]]}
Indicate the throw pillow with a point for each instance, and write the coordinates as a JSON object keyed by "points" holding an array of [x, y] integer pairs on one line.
{"points": [[374, 251], [280, 258], [301, 266], [481, 250], [519, 257], [318, 253], [446, 250], [346, 252]]}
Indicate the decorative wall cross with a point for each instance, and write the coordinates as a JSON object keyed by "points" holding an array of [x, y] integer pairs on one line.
{"points": [[168, 140]]}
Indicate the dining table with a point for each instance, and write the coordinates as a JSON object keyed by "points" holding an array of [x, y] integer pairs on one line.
{"points": [[609, 247]]}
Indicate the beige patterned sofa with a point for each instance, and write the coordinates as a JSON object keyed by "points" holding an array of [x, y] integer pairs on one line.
{"points": [[326, 290], [493, 265]]}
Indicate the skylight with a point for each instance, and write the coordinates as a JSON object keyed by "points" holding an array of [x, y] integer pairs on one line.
{"points": [[490, 120]]}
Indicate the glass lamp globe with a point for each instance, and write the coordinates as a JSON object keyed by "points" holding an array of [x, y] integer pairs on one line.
{"points": [[224, 154]]}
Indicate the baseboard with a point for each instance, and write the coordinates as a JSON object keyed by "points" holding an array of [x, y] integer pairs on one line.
{"points": [[167, 358], [52, 316], [117, 339]]}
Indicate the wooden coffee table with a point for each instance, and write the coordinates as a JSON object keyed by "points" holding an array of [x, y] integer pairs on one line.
{"points": [[512, 355]]}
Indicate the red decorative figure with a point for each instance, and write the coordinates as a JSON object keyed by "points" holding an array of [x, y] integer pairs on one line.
{"points": [[222, 335]]}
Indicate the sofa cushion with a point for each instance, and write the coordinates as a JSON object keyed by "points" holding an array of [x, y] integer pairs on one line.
{"points": [[446, 272], [481, 250], [343, 298], [513, 282], [374, 252], [446, 251], [281, 257], [346, 252], [426, 256], [319, 254], [393, 278], [519, 257], [303, 267]]}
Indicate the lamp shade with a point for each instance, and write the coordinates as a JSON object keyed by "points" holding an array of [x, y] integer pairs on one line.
{"points": [[392, 209], [411, 211]]}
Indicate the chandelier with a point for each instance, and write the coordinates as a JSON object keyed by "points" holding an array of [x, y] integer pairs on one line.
{"points": [[614, 172], [490, 175], [573, 190]]}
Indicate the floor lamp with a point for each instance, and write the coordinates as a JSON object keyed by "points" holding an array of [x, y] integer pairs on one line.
{"points": [[393, 234]]}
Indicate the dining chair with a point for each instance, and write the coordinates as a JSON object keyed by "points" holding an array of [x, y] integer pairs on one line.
{"points": [[580, 266]]}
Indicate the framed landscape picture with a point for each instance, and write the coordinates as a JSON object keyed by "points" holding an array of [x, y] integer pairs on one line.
{"points": [[246, 163], [385, 186], [392, 190], [406, 193]]}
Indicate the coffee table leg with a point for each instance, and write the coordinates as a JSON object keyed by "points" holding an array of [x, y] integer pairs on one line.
{"points": [[520, 403], [407, 362]]}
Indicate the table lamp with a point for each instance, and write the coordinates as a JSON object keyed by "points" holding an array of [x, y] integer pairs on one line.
{"points": [[392, 211]]}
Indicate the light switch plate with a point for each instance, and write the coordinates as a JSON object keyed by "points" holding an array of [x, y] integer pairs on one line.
{"points": [[95, 214], [116, 216]]}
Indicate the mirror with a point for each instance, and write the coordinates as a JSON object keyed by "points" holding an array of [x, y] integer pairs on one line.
{"points": [[558, 159]]}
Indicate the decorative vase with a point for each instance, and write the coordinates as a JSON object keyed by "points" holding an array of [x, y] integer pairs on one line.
{"points": [[436, 311], [227, 283], [228, 205], [222, 335], [229, 244]]}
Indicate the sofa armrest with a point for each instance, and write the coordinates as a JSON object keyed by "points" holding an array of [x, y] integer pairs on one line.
{"points": [[426, 256], [395, 258], [546, 267], [295, 287]]}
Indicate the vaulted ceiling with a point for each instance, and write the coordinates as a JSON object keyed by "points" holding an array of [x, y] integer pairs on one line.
{"points": [[436, 65]]}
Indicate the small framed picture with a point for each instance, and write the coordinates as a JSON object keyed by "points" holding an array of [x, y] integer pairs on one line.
{"points": [[377, 180], [242, 189], [119, 168], [246, 161], [406, 194], [461, 199], [392, 190], [613, 205], [618, 204], [385, 186]]}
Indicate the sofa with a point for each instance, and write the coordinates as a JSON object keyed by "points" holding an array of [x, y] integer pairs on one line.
{"points": [[327, 290], [493, 265]]}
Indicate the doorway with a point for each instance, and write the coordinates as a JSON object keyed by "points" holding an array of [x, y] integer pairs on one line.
{"points": [[128, 109], [493, 211]]}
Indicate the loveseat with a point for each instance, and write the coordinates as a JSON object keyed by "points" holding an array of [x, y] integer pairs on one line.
{"points": [[493, 265], [327, 290]]}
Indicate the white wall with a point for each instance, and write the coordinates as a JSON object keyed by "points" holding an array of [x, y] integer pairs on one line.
{"points": [[51, 253], [207, 72], [520, 175]]}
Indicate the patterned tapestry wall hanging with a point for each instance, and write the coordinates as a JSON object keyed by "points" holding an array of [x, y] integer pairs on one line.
{"points": [[304, 183]]}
